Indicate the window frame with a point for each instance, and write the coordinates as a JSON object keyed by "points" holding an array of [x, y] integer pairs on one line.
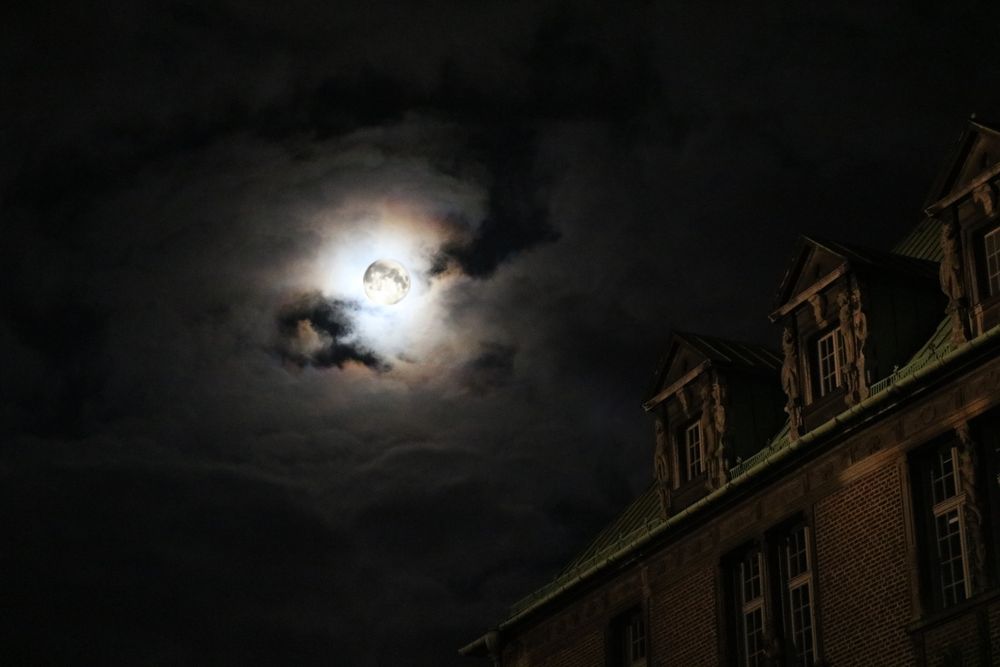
{"points": [[791, 583], [937, 591], [992, 276], [693, 472], [776, 601], [628, 644], [821, 359]]}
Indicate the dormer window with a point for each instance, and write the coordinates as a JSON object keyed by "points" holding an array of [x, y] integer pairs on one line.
{"points": [[829, 362], [694, 463], [992, 243]]}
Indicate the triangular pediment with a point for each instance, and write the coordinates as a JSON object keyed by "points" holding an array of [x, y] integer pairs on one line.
{"points": [[689, 354], [811, 263], [977, 150], [681, 359]]}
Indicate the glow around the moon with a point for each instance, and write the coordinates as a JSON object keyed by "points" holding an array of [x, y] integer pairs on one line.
{"points": [[386, 282]]}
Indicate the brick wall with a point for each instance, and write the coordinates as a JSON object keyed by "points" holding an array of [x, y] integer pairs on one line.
{"points": [[683, 621], [864, 585]]}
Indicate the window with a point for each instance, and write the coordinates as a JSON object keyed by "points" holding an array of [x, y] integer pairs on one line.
{"points": [[940, 500], [635, 641], [829, 357], [628, 639], [992, 241], [797, 603], [775, 574], [693, 459], [750, 588]]}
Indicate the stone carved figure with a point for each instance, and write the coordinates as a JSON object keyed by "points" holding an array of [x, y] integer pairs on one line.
{"points": [[983, 195], [790, 381], [684, 398], [950, 275], [967, 460], [818, 303], [846, 326], [718, 472], [661, 468], [860, 325]]}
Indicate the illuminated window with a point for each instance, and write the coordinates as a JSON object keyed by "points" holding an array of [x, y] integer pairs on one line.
{"points": [[829, 353], [992, 241]]}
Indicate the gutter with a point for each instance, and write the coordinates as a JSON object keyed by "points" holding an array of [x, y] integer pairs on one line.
{"points": [[780, 455]]}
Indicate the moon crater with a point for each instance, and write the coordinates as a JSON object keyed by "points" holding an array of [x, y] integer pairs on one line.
{"points": [[386, 282]]}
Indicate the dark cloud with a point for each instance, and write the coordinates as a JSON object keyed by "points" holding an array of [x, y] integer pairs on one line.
{"points": [[315, 330], [581, 179], [517, 215], [491, 369]]}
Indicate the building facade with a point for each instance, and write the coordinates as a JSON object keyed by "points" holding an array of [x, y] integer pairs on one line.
{"points": [[832, 502]]}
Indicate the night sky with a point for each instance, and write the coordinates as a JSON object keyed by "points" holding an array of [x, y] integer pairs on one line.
{"points": [[217, 451]]}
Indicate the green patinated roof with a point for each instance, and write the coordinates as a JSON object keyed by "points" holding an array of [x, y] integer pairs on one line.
{"points": [[881, 259], [643, 515], [924, 242], [637, 517], [731, 352]]}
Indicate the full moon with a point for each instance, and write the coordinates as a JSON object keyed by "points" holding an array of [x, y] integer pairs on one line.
{"points": [[386, 282]]}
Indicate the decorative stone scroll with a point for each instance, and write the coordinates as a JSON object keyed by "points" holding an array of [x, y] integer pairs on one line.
{"points": [[950, 275], [684, 398], [818, 303], [790, 383], [975, 530], [983, 195]]}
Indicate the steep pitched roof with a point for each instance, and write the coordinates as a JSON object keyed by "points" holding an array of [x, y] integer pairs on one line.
{"points": [[892, 263], [638, 519], [749, 356], [718, 352], [976, 131], [923, 242]]}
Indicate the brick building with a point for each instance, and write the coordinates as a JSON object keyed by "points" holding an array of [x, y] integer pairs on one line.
{"points": [[834, 502]]}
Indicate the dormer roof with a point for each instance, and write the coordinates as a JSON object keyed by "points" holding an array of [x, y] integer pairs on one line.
{"points": [[817, 263], [977, 150], [688, 354]]}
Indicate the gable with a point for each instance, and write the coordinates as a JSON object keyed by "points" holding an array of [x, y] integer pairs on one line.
{"points": [[811, 264], [681, 360], [817, 264], [977, 150]]}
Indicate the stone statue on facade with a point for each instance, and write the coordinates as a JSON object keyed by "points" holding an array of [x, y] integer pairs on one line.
{"points": [[967, 464], [790, 382], [950, 275], [718, 472], [846, 327], [860, 325], [661, 468]]}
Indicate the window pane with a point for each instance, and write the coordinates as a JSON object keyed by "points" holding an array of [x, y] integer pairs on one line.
{"points": [[753, 637], [993, 261], [828, 352], [943, 476], [951, 563], [802, 623], [692, 440]]}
